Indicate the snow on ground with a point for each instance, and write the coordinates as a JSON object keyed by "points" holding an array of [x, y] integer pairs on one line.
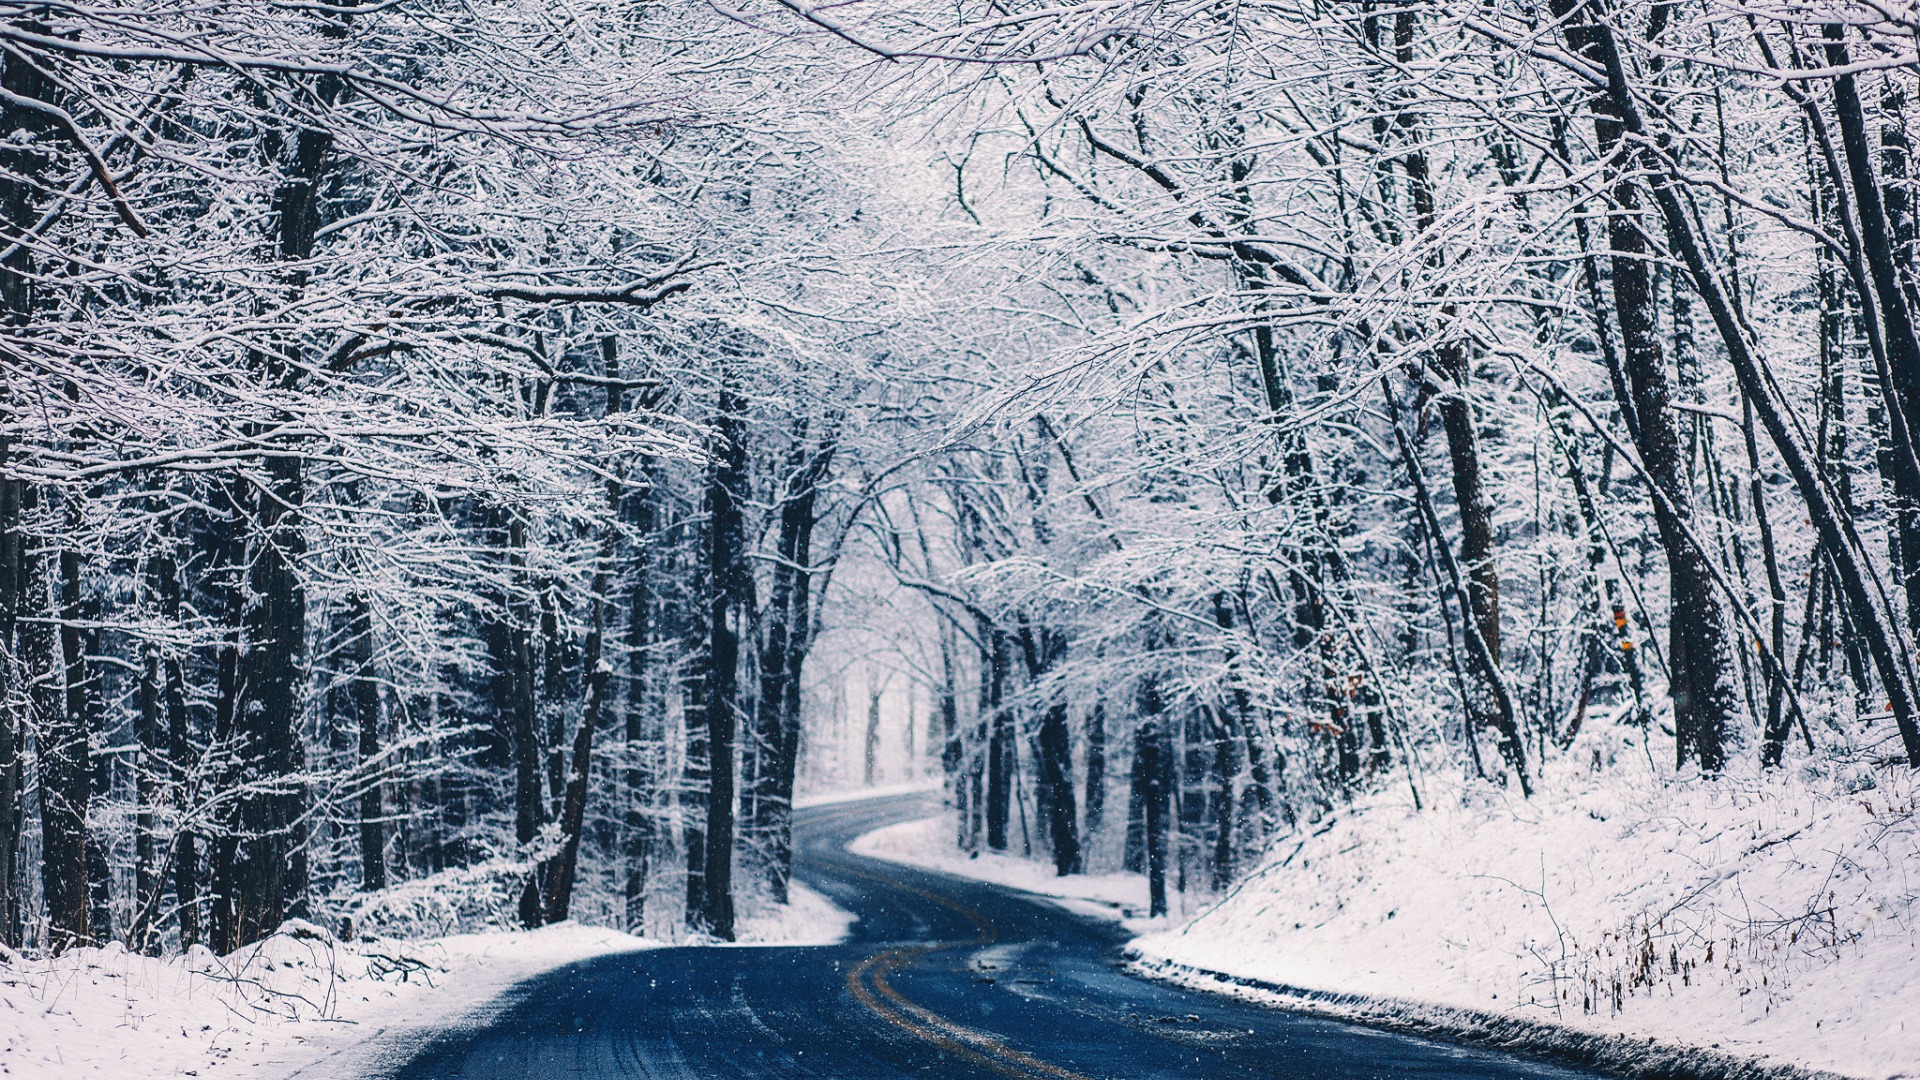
{"points": [[837, 796], [295, 999], [299, 1003], [1769, 917], [808, 919], [929, 844]]}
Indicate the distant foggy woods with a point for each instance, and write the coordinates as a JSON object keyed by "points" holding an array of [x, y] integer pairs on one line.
{"points": [[466, 464]]}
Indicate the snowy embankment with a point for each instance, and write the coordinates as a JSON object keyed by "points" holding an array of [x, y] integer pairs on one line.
{"points": [[299, 1003], [1768, 918], [838, 796], [1663, 927], [928, 843]]}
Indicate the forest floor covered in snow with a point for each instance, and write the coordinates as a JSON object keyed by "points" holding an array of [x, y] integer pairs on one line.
{"points": [[299, 1003], [1771, 919]]}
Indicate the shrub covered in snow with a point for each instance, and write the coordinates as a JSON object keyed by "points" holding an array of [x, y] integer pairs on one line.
{"points": [[460, 900]]}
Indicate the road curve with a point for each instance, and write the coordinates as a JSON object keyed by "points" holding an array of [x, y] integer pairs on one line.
{"points": [[942, 977]]}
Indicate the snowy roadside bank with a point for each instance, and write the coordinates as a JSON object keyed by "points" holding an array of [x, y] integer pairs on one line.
{"points": [[842, 796], [271, 1009], [928, 843], [1625, 1055], [1754, 926], [300, 1003]]}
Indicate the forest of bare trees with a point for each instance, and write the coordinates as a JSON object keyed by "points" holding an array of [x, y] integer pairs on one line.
{"points": [[436, 437]]}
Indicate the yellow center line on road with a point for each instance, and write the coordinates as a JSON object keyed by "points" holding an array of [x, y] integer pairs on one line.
{"points": [[869, 984]]}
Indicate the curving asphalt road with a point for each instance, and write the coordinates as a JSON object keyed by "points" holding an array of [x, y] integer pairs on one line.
{"points": [[942, 977]]}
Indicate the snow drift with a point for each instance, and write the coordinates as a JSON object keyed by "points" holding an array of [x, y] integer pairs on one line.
{"points": [[1765, 916]]}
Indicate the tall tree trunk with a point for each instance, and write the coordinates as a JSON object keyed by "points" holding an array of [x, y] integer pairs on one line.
{"points": [[65, 782], [552, 698], [729, 582], [511, 641], [1502, 709], [363, 694], [561, 869], [182, 761], [15, 583], [1699, 653], [1871, 611], [696, 770], [1453, 372], [263, 888], [265, 853], [1153, 785], [999, 719], [65, 787], [27, 678], [870, 744], [1095, 801], [1053, 753], [797, 520], [150, 785], [559, 873], [1055, 761], [1888, 300], [1221, 801], [86, 708], [642, 733]]}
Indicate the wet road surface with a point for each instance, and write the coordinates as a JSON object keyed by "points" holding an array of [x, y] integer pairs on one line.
{"points": [[941, 977]]}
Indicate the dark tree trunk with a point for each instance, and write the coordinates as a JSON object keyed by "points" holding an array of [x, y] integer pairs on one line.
{"points": [[1501, 706], [226, 552], [1221, 803], [555, 654], [32, 646], [1133, 846], [786, 749], [1192, 784], [762, 813], [694, 780], [1055, 760], [1452, 371], [86, 706], [1699, 653], [1043, 650], [1870, 610], [999, 718], [1889, 297], [263, 842], [263, 888], [363, 695], [561, 869], [642, 733], [559, 873], [1153, 781], [870, 744], [65, 776], [510, 640], [15, 583], [150, 786], [24, 162], [729, 583], [1095, 802], [181, 759]]}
